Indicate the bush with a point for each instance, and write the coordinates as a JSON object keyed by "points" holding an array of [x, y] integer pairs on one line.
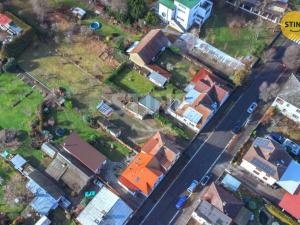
{"points": [[152, 19], [284, 218], [10, 65], [69, 104]]}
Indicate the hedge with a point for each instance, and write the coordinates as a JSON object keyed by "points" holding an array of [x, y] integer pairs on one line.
{"points": [[116, 72], [284, 218], [19, 43]]}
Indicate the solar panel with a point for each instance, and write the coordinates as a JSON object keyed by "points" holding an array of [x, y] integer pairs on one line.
{"points": [[264, 167]]}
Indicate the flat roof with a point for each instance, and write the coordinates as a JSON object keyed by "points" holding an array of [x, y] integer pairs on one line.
{"points": [[105, 208]]}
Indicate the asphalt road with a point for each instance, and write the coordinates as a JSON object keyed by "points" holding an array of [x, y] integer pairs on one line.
{"points": [[209, 147]]}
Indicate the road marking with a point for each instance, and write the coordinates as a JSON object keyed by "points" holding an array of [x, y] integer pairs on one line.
{"points": [[174, 217]]}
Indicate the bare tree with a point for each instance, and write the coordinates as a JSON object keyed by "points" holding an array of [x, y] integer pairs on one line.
{"points": [[291, 57], [40, 8], [268, 92]]}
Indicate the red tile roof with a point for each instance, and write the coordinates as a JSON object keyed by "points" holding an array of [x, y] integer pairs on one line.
{"points": [[5, 20], [84, 152], [151, 45], [291, 204], [160, 70]]}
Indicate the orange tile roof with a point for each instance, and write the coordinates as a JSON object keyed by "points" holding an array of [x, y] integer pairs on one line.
{"points": [[142, 173]]}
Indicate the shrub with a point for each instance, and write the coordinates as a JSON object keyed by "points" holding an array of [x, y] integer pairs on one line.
{"points": [[152, 19], [10, 65], [284, 218]]}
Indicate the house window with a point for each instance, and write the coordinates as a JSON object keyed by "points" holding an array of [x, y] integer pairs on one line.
{"points": [[265, 178], [164, 14], [180, 10], [180, 18], [298, 110], [295, 116], [256, 172], [279, 101], [287, 105]]}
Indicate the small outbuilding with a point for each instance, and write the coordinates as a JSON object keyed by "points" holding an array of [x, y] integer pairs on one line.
{"points": [[150, 103], [49, 149], [18, 162], [78, 12], [43, 221]]}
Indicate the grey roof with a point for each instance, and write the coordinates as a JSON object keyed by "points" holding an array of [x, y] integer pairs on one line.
{"points": [[159, 79], [211, 214], [150, 103], [45, 183], [290, 92]]}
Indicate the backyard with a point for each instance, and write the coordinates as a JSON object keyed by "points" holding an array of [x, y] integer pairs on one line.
{"points": [[182, 70], [235, 32]]}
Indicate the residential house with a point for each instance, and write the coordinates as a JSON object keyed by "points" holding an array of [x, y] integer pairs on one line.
{"points": [[149, 47], [267, 160], [105, 208], [181, 14], [47, 194], [84, 152], [205, 94], [147, 106], [70, 171], [8, 25], [219, 206], [291, 204], [150, 165], [288, 100]]}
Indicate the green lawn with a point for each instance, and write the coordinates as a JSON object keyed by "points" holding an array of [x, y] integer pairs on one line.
{"points": [[13, 89], [133, 82], [242, 41], [180, 67]]}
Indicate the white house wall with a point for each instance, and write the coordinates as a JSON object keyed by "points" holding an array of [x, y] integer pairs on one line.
{"points": [[287, 109], [165, 13], [258, 173]]}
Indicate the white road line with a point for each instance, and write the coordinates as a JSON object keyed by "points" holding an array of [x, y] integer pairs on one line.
{"points": [[174, 217]]}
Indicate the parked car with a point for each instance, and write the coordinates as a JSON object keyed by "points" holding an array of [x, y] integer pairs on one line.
{"points": [[252, 107], [193, 186], [181, 201], [277, 137], [98, 183], [237, 128], [205, 179]]}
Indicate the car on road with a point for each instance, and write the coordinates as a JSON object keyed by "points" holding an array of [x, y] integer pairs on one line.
{"points": [[252, 107], [181, 201], [193, 186], [237, 128], [205, 179], [276, 137]]}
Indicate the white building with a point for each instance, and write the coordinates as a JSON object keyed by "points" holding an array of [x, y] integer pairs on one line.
{"points": [[267, 160], [182, 14], [105, 208], [288, 100]]}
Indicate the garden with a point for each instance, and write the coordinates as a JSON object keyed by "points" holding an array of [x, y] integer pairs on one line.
{"points": [[237, 33]]}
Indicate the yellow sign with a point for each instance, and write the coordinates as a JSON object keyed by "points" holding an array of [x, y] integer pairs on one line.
{"points": [[290, 25]]}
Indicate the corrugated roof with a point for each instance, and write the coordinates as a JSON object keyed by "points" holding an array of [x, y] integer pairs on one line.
{"points": [[159, 79], [290, 180], [18, 161], [105, 208]]}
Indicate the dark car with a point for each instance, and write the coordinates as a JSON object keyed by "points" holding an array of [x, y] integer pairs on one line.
{"points": [[277, 137], [205, 179], [238, 127]]}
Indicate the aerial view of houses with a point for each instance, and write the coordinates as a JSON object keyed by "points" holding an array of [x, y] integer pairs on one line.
{"points": [[149, 112]]}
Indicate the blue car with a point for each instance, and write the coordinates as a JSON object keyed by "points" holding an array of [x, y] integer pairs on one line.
{"points": [[181, 201], [193, 186]]}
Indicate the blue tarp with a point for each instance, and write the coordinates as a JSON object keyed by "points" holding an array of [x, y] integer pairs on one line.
{"points": [[43, 202]]}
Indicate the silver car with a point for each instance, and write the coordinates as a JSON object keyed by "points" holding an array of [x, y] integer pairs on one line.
{"points": [[252, 107]]}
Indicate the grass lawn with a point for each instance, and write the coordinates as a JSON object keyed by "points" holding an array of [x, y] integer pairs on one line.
{"points": [[71, 120], [13, 89], [181, 67], [243, 41], [133, 82]]}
